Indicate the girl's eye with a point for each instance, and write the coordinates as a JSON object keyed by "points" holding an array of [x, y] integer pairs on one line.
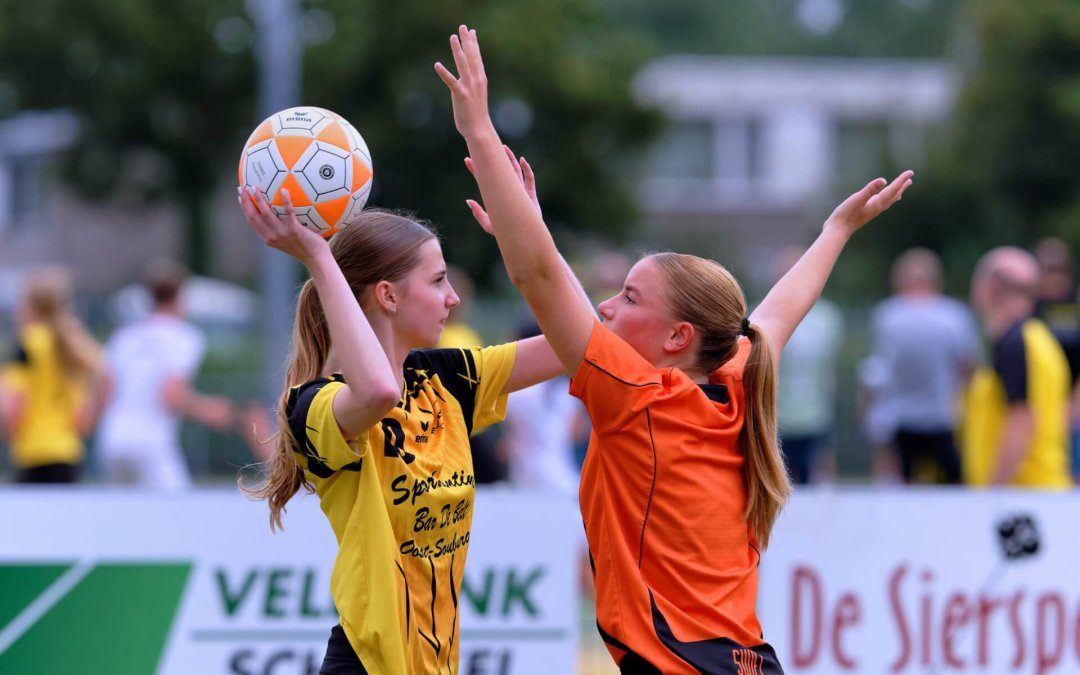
{"points": [[629, 301]]}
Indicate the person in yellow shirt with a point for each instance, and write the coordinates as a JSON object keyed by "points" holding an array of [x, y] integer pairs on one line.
{"points": [[377, 424], [1015, 430], [47, 404]]}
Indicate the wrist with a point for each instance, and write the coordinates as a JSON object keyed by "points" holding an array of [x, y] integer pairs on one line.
{"points": [[483, 136], [837, 230]]}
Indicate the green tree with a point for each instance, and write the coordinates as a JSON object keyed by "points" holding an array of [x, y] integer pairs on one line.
{"points": [[560, 94], [166, 94], [1004, 170], [161, 88]]}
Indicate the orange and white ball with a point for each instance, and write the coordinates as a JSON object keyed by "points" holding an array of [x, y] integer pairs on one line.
{"points": [[317, 156]]}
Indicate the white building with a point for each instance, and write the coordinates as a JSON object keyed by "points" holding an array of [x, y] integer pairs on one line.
{"points": [[759, 148]]}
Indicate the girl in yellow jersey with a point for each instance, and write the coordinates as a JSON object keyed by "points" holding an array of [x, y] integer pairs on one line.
{"points": [[379, 428], [46, 404]]}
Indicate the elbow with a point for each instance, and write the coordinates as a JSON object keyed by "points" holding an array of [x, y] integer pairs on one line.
{"points": [[383, 397]]}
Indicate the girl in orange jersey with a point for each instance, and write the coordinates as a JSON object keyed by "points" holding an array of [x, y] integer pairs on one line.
{"points": [[684, 478], [379, 428]]}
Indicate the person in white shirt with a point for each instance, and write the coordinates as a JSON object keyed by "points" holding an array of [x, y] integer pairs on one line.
{"points": [[149, 369]]}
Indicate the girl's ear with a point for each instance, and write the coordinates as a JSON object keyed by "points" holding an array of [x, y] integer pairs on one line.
{"points": [[682, 336], [386, 297]]}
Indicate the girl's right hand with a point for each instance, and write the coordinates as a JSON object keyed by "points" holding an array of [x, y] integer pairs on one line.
{"points": [[525, 175], [468, 90], [286, 234]]}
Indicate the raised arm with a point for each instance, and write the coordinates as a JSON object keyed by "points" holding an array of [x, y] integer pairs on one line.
{"points": [[532, 261], [372, 387], [797, 291], [536, 361]]}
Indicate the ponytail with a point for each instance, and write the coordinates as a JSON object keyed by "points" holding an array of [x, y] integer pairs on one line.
{"points": [[310, 349], [379, 245], [767, 483]]}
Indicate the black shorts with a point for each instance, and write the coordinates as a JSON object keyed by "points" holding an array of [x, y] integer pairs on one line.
{"points": [[49, 473], [340, 657]]}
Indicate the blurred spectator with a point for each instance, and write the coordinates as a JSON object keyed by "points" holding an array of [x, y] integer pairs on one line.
{"points": [[806, 391], [489, 466], [925, 346], [1015, 414], [150, 365], [47, 403], [1057, 307], [539, 432]]}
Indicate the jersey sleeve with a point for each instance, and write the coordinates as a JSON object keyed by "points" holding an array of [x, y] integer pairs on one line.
{"points": [[613, 381], [1010, 363], [476, 377], [319, 440]]}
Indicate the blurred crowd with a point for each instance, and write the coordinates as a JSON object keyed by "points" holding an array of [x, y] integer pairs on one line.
{"points": [[979, 391]]}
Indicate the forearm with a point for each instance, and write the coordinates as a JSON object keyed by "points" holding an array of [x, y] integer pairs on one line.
{"points": [[788, 302], [527, 248]]}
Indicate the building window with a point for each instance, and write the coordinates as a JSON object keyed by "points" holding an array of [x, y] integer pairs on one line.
{"points": [[685, 151], [862, 151]]}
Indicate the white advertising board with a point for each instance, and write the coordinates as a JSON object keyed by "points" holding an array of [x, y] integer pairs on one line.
{"points": [[924, 581], [125, 582]]}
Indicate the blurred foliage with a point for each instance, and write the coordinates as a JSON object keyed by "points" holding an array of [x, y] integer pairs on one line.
{"points": [[160, 91], [883, 28], [559, 90], [166, 93], [1005, 170]]}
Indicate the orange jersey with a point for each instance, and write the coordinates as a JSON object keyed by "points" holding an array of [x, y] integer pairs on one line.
{"points": [[663, 497]]}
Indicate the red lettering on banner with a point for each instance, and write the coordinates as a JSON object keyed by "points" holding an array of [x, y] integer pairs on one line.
{"points": [[847, 614], [898, 613], [810, 618], [927, 620], [805, 580], [986, 608], [1017, 629], [955, 632], [1076, 634], [957, 614], [1049, 603]]}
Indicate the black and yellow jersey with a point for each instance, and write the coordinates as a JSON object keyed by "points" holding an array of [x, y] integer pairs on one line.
{"points": [[47, 433], [1029, 367], [400, 501]]}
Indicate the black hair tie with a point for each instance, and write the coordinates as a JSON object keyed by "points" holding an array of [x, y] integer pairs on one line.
{"points": [[745, 329]]}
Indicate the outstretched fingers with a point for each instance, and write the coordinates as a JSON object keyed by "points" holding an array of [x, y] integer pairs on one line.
{"points": [[888, 195]]}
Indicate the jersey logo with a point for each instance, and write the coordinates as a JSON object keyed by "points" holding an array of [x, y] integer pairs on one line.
{"points": [[394, 441], [748, 662]]}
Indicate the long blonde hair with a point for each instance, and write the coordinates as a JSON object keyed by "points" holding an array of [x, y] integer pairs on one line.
{"points": [[47, 296], [379, 246], [703, 293]]}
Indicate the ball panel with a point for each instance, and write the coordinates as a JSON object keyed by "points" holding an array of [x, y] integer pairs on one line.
{"points": [[333, 209], [361, 174], [335, 135], [327, 170], [305, 122], [263, 167], [292, 148], [309, 218], [297, 192]]}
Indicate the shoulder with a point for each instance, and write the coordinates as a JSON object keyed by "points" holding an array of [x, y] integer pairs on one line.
{"points": [[613, 356]]}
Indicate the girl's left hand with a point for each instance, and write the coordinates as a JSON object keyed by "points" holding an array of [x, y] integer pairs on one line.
{"points": [[525, 175], [869, 202], [286, 234], [469, 89]]}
